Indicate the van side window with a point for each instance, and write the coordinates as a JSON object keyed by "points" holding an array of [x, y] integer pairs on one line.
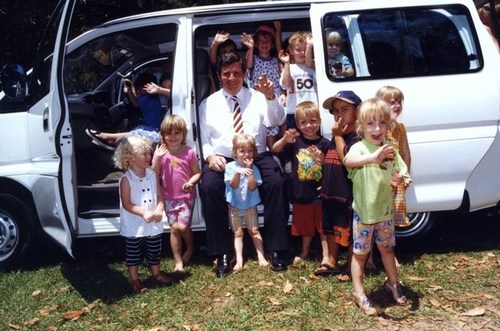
{"points": [[99, 61], [335, 24], [410, 41]]}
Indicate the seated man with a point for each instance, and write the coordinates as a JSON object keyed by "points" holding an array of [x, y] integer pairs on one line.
{"points": [[258, 110]]}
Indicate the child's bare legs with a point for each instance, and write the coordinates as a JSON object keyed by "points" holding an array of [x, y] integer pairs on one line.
{"points": [[136, 283], [133, 272], [324, 249], [159, 276], [187, 235], [112, 137], [357, 274], [155, 270], [177, 231], [392, 285], [370, 264], [306, 244], [238, 247], [333, 250], [259, 246], [346, 275]]}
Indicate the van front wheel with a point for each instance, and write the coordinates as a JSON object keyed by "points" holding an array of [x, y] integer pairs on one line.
{"points": [[419, 231], [15, 232]]}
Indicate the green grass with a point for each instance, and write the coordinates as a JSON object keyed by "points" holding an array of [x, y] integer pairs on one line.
{"points": [[455, 276]]}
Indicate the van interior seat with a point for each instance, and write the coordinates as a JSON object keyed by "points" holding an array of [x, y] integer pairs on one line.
{"points": [[203, 80]]}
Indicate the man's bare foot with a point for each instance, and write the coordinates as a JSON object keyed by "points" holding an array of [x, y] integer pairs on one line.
{"points": [[238, 267]]}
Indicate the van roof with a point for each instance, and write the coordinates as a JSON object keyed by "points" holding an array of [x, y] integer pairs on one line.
{"points": [[232, 8]]}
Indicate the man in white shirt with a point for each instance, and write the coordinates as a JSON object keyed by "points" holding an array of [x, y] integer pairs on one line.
{"points": [[259, 109]]}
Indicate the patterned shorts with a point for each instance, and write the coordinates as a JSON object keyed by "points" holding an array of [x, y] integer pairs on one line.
{"points": [[240, 217], [362, 235], [179, 211]]}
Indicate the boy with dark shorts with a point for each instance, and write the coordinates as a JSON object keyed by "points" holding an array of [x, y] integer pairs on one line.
{"points": [[336, 188]]}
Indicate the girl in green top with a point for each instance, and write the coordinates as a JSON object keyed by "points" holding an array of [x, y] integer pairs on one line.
{"points": [[375, 168]]}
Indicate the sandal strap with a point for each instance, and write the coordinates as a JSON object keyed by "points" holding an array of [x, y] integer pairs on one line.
{"points": [[396, 292]]}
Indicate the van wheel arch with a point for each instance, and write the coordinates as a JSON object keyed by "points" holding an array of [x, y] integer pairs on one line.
{"points": [[424, 225], [17, 229]]}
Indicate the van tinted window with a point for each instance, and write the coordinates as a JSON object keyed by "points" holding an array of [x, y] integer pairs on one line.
{"points": [[407, 41], [92, 64]]}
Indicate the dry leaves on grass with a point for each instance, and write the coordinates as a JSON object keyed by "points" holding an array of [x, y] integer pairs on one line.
{"points": [[74, 315], [478, 311], [274, 301], [288, 287]]}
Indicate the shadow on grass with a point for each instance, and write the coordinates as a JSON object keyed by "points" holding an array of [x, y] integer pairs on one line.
{"points": [[92, 273], [478, 231]]}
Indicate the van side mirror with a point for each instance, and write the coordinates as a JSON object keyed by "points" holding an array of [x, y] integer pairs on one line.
{"points": [[14, 81]]}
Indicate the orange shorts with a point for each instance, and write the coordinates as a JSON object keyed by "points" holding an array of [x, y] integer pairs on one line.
{"points": [[307, 219]]}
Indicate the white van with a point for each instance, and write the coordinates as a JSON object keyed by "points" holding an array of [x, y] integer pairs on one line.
{"points": [[54, 181]]}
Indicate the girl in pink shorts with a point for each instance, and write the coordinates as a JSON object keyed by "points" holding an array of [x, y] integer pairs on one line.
{"points": [[177, 166]]}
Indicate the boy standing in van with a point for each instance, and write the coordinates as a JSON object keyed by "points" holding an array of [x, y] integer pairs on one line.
{"points": [[298, 79], [262, 59]]}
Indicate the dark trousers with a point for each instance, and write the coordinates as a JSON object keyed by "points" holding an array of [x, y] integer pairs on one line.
{"points": [[273, 194]]}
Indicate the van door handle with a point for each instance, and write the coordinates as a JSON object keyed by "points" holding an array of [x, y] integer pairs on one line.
{"points": [[45, 118], [195, 132]]}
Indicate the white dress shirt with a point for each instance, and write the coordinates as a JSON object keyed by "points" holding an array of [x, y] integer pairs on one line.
{"points": [[216, 120]]}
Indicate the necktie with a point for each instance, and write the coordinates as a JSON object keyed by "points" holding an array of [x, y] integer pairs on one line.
{"points": [[237, 121]]}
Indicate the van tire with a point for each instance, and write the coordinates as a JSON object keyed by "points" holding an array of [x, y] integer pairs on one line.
{"points": [[16, 224], [420, 231]]}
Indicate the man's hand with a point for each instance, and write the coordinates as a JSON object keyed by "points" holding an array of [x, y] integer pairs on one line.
{"points": [[216, 163]]}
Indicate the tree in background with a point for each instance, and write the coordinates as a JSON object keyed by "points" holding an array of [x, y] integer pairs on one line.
{"points": [[22, 22]]}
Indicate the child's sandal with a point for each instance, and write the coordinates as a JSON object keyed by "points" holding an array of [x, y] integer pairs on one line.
{"points": [[138, 287], [365, 304], [395, 290]]}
